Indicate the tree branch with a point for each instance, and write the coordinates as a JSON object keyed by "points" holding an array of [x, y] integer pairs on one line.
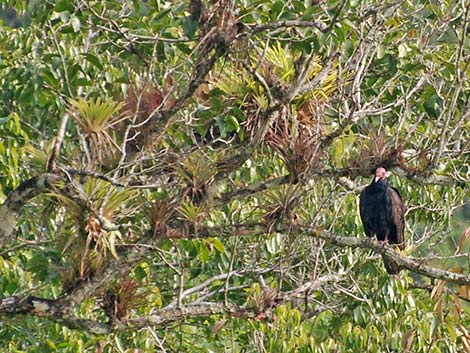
{"points": [[52, 161], [285, 24], [50, 309], [60, 310], [252, 189], [414, 264], [9, 210], [166, 316], [55, 311]]}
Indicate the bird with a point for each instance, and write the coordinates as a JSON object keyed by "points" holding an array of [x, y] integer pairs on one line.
{"points": [[383, 215]]}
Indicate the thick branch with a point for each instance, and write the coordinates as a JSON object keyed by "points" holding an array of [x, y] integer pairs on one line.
{"points": [[411, 263], [417, 265], [170, 315], [25, 305], [50, 309], [18, 198], [59, 310], [53, 310], [252, 189], [29, 189]]}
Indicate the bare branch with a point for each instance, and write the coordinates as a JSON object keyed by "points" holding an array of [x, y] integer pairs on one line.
{"points": [[417, 265], [52, 162], [458, 84], [166, 316], [284, 24]]}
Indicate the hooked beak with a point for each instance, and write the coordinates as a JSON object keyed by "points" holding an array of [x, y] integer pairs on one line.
{"points": [[377, 179]]}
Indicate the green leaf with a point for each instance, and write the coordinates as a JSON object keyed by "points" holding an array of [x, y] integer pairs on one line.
{"points": [[189, 27], [435, 323], [162, 14], [402, 50], [338, 152], [185, 49], [217, 244], [276, 9], [82, 82], [75, 23], [204, 253], [93, 59], [26, 95], [359, 314], [340, 35], [11, 287], [140, 272], [451, 330], [64, 5], [380, 51], [39, 265], [308, 13], [232, 124]]}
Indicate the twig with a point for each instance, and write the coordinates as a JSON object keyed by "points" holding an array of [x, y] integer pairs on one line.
{"points": [[52, 161]]}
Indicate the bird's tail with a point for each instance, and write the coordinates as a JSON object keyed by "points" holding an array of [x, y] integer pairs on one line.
{"points": [[391, 265]]}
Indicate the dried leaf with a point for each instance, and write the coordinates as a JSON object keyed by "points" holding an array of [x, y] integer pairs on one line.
{"points": [[407, 340], [218, 325], [437, 290], [463, 239]]}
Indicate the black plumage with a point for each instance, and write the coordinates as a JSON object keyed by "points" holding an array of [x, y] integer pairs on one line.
{"points": [[383, 215]]}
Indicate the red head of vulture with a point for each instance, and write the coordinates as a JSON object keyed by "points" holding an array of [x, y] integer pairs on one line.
{"points": [[383, 215]]}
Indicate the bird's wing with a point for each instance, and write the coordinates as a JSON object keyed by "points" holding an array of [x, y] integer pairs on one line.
{"points": [[396, 190], [397, 215]]}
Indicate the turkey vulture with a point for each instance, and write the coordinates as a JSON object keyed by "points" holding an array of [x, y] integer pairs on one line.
{"points": [[383, 215]]}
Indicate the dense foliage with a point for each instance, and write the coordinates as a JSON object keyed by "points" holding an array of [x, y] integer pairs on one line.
{"points": [[184, 176]]}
